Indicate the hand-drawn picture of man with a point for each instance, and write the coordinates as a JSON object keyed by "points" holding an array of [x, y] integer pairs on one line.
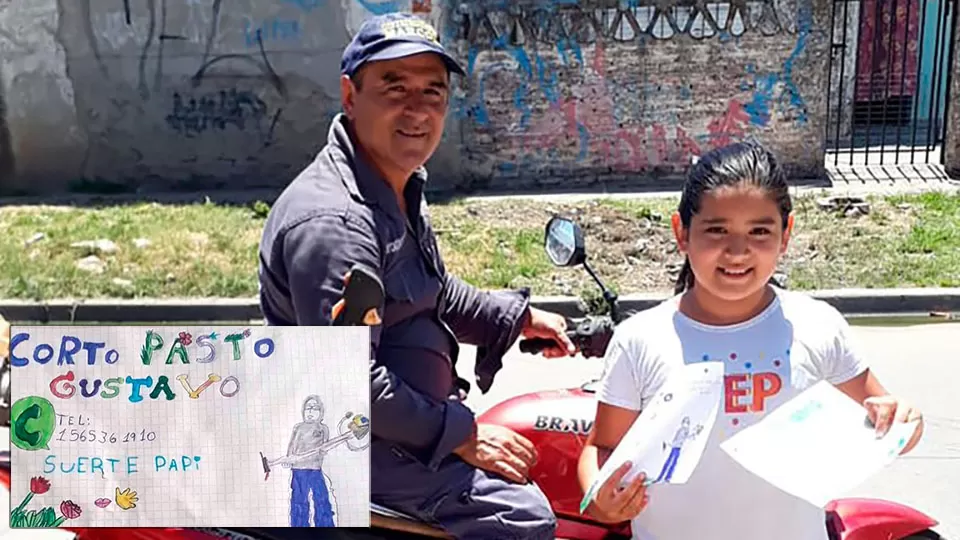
{"points": [[307, 464], [683, 433]]}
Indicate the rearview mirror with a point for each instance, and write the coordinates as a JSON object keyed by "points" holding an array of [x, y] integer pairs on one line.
{"points": [[564, 242]]}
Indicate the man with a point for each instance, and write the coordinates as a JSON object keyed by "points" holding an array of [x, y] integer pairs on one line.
{"points": [[307, 463], [361, 201]]}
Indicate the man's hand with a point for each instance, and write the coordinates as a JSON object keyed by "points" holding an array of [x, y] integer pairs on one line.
{"points": [[883, 411], [499, 450], [543, 324]]}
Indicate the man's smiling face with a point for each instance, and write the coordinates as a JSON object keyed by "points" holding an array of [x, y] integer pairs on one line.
{"points": [[398, 108]]}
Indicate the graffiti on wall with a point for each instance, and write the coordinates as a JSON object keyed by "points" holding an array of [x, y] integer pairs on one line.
{"points": [[202, 87], [272, 29], [545, 76], [176, 28], [194, 115]]}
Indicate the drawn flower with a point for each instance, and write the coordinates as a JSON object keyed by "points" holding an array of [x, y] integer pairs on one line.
{"points": [[185, 338], [39, 485], [102, 502], [70, 509]]}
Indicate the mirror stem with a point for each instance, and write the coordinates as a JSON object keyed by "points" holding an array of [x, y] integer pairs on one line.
{"points": [[609, 296]]}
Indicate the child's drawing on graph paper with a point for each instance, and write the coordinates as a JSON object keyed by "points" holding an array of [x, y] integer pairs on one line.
{"points": [[682, 435], [309, 442]]}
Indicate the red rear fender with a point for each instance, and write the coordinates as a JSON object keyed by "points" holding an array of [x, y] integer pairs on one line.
{"points": [[872, 519]]}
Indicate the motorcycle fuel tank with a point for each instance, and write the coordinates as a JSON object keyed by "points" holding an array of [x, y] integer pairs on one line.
{"points": [[557, 423]]}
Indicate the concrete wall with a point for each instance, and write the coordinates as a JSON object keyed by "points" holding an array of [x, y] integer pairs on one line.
{"points": [[179, 94]]}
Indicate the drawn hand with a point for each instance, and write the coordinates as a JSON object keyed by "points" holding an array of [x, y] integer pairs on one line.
{"points": [[499, 450], [615, 503], [127, 499], [883, 411]]}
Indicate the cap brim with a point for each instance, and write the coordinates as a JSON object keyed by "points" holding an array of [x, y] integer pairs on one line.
{"points": [[404, 49]]}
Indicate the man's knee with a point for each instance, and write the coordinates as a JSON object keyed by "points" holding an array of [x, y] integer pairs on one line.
{"points": [[531, 516]]}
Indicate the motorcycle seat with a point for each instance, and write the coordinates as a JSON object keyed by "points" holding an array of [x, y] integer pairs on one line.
{"points": [[388, 518], [389, 512]]}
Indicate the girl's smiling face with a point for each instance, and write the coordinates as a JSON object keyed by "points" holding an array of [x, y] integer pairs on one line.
{"points": [[734, 241]]}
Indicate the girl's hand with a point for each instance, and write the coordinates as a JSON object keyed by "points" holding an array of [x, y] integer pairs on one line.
{"points": [[614, 504], [883, 411]]}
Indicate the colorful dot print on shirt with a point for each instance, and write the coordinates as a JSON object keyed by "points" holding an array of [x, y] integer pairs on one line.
{"points": [[753, 384]]}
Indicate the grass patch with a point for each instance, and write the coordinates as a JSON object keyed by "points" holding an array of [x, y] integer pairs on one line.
{"points": [[205, 250], [194, 250]]}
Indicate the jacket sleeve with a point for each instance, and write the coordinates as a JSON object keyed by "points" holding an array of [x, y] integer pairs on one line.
{"points": [[317, 254], [491, 320], [480, 317]]}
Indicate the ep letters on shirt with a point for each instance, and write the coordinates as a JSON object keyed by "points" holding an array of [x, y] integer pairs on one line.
{"points": [[133, 426]]}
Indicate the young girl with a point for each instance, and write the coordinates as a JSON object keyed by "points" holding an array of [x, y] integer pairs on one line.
{"points": [[733, 223]]}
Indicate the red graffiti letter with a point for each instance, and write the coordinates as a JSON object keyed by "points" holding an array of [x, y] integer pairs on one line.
{"points": [[761, 390], [71, 389], [732, 391]]}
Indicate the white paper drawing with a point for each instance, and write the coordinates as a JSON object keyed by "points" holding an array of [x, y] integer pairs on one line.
{"points": [[825, 437], [131, 426], [666, 441]]}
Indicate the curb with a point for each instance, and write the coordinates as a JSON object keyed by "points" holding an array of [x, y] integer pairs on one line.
{"points": [[850, 302]]}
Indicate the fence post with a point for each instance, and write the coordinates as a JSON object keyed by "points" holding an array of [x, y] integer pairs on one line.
{"points": [[951, 142]]}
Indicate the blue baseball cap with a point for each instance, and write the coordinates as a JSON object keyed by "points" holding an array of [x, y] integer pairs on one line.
{"points": [[392, 36]]}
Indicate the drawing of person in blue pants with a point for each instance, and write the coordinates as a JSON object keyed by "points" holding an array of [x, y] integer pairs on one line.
{"points": [[306, 460], [683, 433]]}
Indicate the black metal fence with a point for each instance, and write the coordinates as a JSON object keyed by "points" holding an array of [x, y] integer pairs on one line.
{"points": [[890, 77]]}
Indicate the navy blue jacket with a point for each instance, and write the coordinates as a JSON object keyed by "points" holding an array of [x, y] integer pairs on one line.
{"points": [[338, 212]]}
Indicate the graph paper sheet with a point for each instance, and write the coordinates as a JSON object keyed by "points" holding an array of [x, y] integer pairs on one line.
{"points": [[135, 426]]}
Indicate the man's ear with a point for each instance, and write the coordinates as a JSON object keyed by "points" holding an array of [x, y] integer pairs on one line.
{"points": [[347, 94], [683, 239]]}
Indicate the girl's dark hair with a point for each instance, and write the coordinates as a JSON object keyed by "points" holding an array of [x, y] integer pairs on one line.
{"points": [[739, 164]]}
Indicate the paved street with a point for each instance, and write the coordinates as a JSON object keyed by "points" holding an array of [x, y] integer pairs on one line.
{"points": [[918, 362]]}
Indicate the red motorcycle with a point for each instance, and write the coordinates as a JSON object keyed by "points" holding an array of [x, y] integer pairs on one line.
{"points": [[557, 422]]}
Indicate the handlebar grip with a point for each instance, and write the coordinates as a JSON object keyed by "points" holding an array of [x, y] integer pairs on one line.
{"points": [[535, 345]]}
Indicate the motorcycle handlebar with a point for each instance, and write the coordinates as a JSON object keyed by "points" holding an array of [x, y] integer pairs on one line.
{"points": [[590, 334], [535, 345]]}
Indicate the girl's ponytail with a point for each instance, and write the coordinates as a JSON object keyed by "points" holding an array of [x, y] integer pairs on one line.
{"points": [[685, 279]]}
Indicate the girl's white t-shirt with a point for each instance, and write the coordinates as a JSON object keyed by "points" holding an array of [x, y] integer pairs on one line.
{"points": [[794, 343]]}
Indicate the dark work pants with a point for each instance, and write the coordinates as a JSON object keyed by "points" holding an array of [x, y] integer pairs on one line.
{"points": [[468, 503]]}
